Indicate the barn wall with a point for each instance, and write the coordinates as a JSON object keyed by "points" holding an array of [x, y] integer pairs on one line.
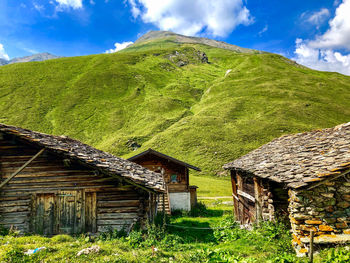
{"points": [[155, 163], [247, 211], [50, 184], [324, 210]]}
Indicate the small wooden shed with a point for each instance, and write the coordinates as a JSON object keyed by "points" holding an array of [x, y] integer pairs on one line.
{"points": [[303, 177], [180, 195], [53, 184]]}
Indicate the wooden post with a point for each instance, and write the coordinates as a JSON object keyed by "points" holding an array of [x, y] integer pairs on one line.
{"points": [[311, 252], [234, 195], [164, 210], [257, 193], [21, 168], [240, 214]]}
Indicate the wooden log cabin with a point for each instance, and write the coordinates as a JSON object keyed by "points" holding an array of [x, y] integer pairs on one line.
{"points": [[302, 177], [53, 184], [179, 194]]}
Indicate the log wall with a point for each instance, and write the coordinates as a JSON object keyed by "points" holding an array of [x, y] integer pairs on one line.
{"points": [[69, 197], [157, 164]]}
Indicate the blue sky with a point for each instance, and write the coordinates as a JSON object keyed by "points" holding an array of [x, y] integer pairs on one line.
{"points": [[315, 33]]}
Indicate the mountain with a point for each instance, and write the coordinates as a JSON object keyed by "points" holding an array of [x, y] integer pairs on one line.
{"points": [[35, 57], [181, 39], [196, 102], [3, 62]]}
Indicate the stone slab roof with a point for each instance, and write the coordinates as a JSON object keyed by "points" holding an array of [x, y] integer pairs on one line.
{"points": [[106, 162], [164, 156], [300, 159]]}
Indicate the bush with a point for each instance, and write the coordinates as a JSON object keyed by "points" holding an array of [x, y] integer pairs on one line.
{"points": [[228, 230], [4, 231], [62, 238], [135, 238], [199, 209], [111, 234], [16, 255], [338, 255], [284, 258]]}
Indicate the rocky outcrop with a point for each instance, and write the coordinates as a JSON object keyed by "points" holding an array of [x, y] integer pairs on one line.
{"points": [[188, 56]]}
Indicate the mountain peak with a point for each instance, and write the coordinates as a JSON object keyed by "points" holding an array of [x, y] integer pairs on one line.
{"points": [[35, 57], [177, 38]]}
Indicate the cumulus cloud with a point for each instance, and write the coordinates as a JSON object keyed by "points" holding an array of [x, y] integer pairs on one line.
{"points": [[328, 51], [317, 18], [217, 18], [75, 4], [3, 54], [119, 46]]}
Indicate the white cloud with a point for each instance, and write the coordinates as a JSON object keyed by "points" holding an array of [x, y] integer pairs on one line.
{"points": [[262, 31], [324, 51], [317, 18], [119, 46], [38, 7], [217, 18], [75, 4], [338, 34], [3, 54]]}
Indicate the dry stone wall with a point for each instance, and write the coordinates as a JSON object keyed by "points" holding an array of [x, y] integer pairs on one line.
{"points": [[324, 210]]}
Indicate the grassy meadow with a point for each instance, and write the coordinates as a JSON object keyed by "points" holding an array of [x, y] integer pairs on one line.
{"points": [[221, 240], [195, 113], [206, 114]]}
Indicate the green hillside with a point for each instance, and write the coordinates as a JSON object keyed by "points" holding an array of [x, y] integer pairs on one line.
{"points": [[164, 95]]}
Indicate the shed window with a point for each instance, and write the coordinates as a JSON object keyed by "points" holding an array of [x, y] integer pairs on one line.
{"points": [[173, 178]]}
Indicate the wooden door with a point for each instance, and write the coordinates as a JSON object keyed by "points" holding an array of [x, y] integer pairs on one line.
{"points": [[246, 201], [70, 212], [90, 212], [43, 218]]}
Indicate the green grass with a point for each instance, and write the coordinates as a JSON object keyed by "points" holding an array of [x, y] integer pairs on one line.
{"points": [[193, 113], [211, 186], [224, 241]]}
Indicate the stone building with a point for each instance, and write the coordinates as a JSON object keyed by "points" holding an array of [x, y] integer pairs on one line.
{"points": [[304, 177]]}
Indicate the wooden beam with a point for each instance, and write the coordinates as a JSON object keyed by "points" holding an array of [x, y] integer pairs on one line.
{"points": [[21, 168], [234, 194], [248, 196], [329, 179], [257, 193]]}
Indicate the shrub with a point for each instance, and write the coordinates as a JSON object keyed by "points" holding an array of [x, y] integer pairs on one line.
{"points": [[62, 238], [284, 258], [4, 231], [338, 255], [16, 255], [199, 209], [135, 238]]}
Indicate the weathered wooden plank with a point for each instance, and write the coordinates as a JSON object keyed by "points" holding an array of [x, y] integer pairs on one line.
{"points": [[55, 189], [117, 216], [121, 203], [13, 220], [68, 179], [54, 185], [115, 222], [118, 210], [246, 195], [15, 203], [21, 168], [14, 209]]}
